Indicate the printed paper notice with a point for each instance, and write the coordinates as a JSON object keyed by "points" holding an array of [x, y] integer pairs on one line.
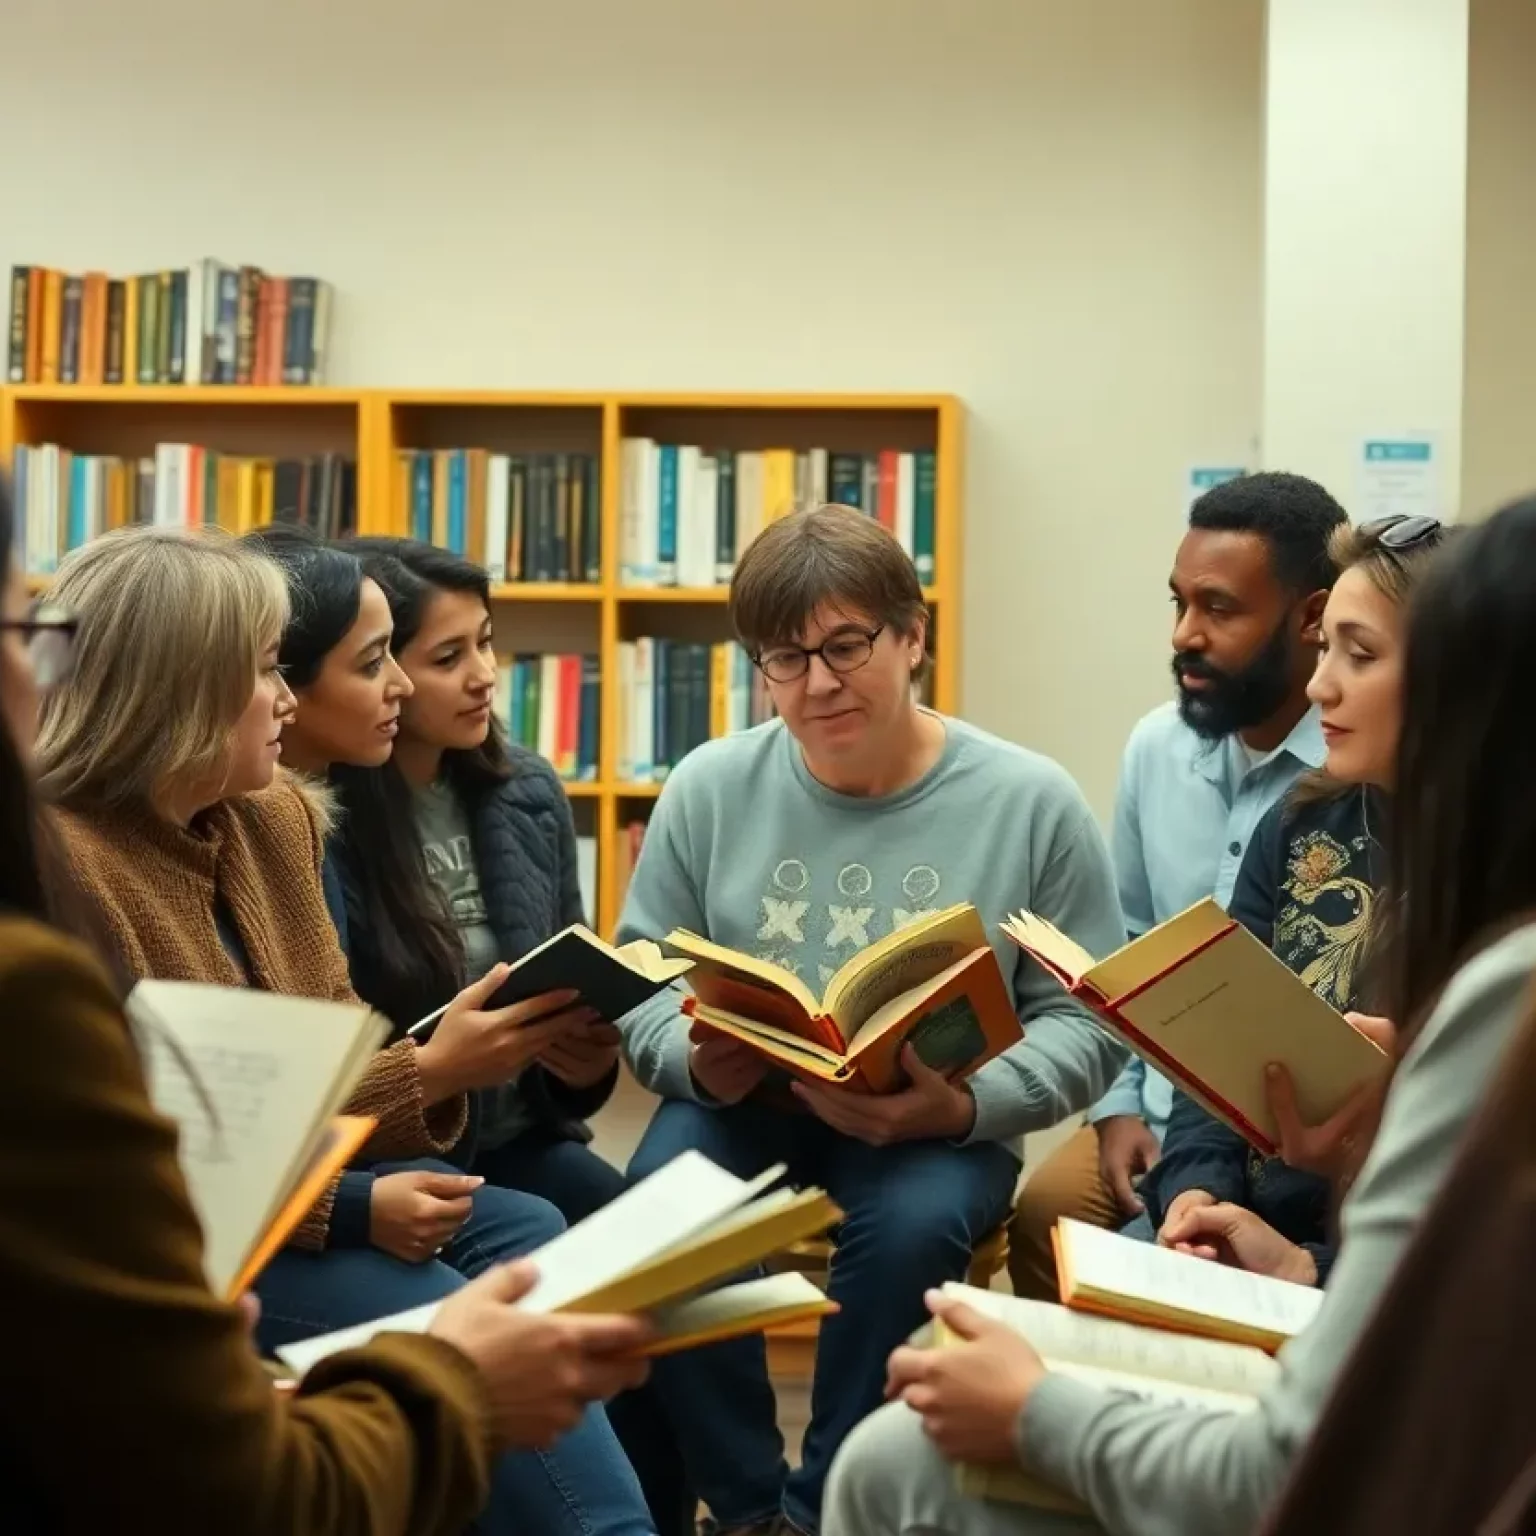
{"points": [[1399, 476]]}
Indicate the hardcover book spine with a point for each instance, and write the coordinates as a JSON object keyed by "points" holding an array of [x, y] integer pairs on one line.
{"points": [[16, 369], [69, 335], [725, 515], [117, 320]]}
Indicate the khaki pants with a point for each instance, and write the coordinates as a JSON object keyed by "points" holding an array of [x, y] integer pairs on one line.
{"points": [[1067, 1183]]}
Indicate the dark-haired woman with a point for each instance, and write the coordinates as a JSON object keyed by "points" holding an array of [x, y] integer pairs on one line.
{"points": [[458, 853], [133, 1400], [1309, 888], [1459, 958]]}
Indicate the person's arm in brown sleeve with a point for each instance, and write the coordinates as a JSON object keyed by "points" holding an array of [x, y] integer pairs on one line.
{"points": [[136, 1401], [390, 1090]]}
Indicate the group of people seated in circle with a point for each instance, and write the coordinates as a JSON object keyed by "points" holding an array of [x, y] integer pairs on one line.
{"points": [[273, 762]]}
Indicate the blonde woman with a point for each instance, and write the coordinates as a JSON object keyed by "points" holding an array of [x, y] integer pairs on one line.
{"points": [[201, 861]]}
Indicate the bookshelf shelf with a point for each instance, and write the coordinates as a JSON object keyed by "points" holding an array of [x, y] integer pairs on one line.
{"points": [[547, 592], [230, 395], [377, 426]]}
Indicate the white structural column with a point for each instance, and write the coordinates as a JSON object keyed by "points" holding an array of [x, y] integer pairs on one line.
{"points": [[1365, 238]]}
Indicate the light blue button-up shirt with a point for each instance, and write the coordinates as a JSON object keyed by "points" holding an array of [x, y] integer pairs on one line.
{"points": [[1184, 812]]}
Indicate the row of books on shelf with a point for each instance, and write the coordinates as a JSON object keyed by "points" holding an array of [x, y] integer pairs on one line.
{"points": [[210, 323], [550, 704], [686, 513], [523, 516], [66, 499], [674, 695]]}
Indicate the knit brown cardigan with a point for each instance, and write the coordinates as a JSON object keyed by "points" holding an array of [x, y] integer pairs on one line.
{"points": [[155, 887]]}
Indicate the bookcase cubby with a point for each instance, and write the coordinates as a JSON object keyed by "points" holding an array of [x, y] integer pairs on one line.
{"points": [[562, 440]]}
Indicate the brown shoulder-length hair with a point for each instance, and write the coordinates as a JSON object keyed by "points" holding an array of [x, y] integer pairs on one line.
{"points": [[825, 556]]}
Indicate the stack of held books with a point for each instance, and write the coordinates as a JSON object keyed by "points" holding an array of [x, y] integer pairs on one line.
{"points": [[658, 1250]]}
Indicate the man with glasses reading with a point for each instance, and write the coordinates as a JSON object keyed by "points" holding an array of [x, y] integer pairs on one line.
{"points": [[802, 841]]}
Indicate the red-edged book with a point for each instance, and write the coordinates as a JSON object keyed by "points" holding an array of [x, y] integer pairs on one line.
{"points": [[1209, 1006]]}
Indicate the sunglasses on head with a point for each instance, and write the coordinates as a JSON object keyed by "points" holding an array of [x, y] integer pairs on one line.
{"points": [[1403, 531]]}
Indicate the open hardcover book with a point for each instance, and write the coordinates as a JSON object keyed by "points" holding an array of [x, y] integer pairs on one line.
{"points": [[1146, 1362], [611, 980], [659, 1249], [254, 1082], [934, 984], [1099, 1271], [1208, 1005]]}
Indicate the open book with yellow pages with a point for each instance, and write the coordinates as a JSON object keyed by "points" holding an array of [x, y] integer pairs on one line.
{"points": [[1203, 1001], [253, 1081], [1149, 1363], [660, 1249], [934, 984], [1099, 1271]]}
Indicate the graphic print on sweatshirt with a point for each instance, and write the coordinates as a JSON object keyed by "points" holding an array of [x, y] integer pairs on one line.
{"points": [[451, 865], [814, 917]]}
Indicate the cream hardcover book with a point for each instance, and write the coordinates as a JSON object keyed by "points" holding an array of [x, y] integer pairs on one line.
{"points": [[659, 1249], [1099, 1271], [1123, 1357], [1203, 1001], [254, 1082]]}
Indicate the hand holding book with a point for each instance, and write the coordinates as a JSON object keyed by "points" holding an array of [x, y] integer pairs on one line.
{"points": [[584, 1055], [539, 1370], [929, 1108], [476, 1046], [969, 1394]]}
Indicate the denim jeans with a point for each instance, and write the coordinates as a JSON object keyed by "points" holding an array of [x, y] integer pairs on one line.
{"points": [[577, 1182], [913, 1213], [584, 1485]]}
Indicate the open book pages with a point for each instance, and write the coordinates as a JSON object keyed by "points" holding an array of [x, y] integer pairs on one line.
{"points": [[1118, 1357], [733, 982], [1206, 1003], [1104, 1272], [253, 1081], [753, 1306], [667, 1239]]}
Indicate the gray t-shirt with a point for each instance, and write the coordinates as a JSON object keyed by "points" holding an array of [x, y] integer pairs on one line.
{"points": [[747, 848], [443, 826]]}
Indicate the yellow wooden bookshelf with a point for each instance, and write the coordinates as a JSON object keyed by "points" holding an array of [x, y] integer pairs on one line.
{"points": [[375, 424]]}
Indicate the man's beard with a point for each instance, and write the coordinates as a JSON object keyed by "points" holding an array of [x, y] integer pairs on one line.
{"points": [[1236, 701]]}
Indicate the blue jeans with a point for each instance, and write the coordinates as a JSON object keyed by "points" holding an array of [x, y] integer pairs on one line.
{"points": [[577, 1182], [913, 1213], [581, 1487]]}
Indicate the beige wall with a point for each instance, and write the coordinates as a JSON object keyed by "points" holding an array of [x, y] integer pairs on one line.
{"points": [[1050, 208], [1499, 407]]}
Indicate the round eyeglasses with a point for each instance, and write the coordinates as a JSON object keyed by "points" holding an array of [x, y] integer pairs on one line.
{"points": [[48, 632], [846, 651]]}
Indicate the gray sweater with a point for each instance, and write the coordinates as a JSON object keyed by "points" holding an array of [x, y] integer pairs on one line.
{"points": [[1149, 1470], [748, 849]]}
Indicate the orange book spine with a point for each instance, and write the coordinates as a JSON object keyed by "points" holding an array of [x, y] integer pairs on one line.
{"points": [[53, 326], [885, 489], [35, 285], [93, 329]]}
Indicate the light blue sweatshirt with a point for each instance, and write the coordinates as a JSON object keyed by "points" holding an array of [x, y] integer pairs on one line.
{"points": [[749, 850]]}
